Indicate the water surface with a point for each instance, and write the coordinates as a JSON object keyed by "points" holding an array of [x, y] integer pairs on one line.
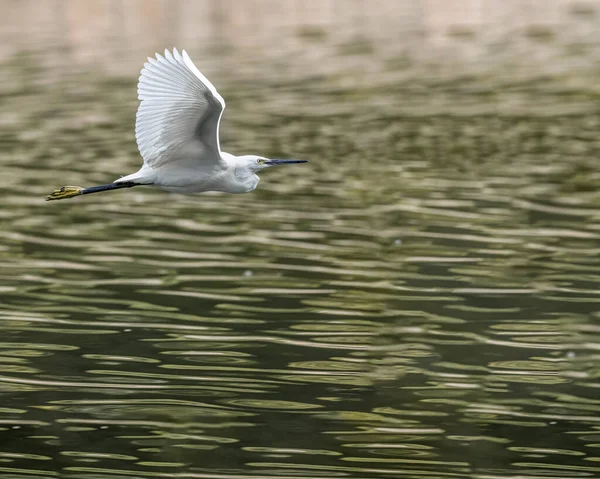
{"points": [[420, 300]]}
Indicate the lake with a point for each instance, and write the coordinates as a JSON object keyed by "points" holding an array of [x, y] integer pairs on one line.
{"points": [[420, 300]]}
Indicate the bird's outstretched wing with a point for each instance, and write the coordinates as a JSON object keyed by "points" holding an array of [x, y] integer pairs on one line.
{"points": [[179, 114]]}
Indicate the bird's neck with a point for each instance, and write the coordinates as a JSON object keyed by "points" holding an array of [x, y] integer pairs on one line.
{"points": [[245, 179], [228, 159]]}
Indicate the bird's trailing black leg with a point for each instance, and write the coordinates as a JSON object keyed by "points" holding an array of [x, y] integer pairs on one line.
{"points": [[72, 191]]}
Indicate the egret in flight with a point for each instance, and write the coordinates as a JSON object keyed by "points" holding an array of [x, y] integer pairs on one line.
{"points": [[177, 133]]}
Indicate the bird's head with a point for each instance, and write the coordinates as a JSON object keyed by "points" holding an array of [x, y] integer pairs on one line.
{"points": [[255, 163]]}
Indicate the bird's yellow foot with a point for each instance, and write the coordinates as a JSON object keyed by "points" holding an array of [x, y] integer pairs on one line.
{"points": [[65, 192]]}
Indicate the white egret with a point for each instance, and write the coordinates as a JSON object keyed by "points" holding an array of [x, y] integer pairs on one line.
{"points": [[177, 133]]}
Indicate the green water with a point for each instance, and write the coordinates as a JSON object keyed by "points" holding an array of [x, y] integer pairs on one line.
{"points": [[418, 301]]}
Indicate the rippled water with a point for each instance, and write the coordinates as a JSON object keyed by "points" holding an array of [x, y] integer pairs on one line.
{"points": [[420, 300]]}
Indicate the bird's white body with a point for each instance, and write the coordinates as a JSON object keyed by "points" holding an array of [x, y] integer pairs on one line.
{"points": [[177, 132], [233, 177]]}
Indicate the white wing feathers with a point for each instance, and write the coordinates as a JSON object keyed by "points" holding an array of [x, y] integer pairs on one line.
{"points": [[179, 113]]}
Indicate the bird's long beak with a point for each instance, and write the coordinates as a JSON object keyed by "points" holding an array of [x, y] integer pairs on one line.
{"points": [[283, 162]]}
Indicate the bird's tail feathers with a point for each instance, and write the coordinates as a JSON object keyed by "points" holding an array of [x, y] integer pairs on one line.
{"points": [[145, 176]]}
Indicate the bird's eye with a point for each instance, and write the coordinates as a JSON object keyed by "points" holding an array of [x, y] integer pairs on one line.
{"points": [[260, 161]]}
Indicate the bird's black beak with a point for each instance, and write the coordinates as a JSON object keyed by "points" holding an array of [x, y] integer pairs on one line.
{"points": [[283, 162]]}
